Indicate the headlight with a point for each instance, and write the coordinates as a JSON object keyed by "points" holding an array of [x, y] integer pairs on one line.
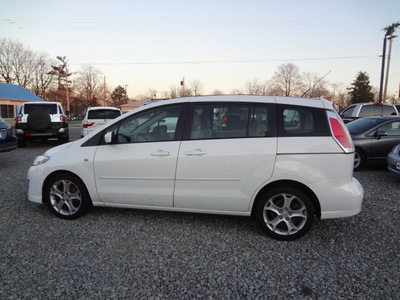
{"points": [[40, 160]]}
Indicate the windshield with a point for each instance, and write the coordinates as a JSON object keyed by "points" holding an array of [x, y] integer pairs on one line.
{"points": [[362, 125]]}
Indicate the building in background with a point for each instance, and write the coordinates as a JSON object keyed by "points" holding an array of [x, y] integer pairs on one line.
{"points": [[11, 98]]}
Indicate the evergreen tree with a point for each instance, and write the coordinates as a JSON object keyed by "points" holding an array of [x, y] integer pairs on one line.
{"points": [[119, 96], [361, 89]]}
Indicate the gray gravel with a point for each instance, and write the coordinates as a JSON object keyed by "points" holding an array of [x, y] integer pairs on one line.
{"points": [[134, 254]]}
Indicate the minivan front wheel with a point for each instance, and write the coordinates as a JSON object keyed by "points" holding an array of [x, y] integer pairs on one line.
{"points": [[285, 213], [67, 196]]}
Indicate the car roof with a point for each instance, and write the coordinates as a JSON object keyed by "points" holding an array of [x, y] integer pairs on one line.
{"points": [[42, 103], [103, 107], [312, 102]]}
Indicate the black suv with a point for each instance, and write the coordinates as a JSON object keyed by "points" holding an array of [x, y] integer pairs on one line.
{"points": [[41, 120]]}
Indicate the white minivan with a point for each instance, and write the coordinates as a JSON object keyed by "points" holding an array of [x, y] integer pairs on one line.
{"points": [[282, 160]]}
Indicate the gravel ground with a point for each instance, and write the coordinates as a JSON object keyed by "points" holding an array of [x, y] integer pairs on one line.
{"points": [[134, 254]]}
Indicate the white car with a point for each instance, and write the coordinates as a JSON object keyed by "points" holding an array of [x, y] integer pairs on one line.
{"points": [[97, 117], [283, 160]]}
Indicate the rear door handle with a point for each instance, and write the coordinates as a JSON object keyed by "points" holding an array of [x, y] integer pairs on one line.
{"points": [[161, 153], [195, 152]]}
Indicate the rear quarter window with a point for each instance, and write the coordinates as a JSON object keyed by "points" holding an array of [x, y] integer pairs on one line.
{"points": [[295, 121], [388, 110]]}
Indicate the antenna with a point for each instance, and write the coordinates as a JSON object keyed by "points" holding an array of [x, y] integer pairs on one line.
{"points": [[315, 84]]}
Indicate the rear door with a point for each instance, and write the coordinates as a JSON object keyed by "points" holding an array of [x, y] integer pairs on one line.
{"points": [[228, 154]]}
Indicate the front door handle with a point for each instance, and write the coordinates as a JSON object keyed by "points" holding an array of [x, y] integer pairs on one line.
{"points": [[195, 152], [161, 153]]}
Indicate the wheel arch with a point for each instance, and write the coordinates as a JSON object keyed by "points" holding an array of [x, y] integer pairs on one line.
{"points": [[293, 184], [58, 172]]}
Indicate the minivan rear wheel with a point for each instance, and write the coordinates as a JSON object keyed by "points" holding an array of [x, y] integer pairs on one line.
{"points": [[285, 213]]}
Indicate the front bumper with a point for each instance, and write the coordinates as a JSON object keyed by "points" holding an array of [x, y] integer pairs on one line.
{"points": [[393, 161], [8, 145]]}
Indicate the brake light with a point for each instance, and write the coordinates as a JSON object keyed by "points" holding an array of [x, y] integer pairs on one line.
{"points": [[86, 125], [18, 119], [341, 134], [224, 120], [63, 118]]}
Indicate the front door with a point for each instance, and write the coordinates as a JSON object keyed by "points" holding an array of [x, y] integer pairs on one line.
{"points": [[138, 166]]}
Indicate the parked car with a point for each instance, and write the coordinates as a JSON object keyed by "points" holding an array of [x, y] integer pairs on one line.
{"points": [[97, 117], [41, 120], [8, 141], [362, 110], [374, 138], [174, 155], [393, 159]]}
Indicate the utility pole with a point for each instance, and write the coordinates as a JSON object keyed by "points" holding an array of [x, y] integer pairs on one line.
{"points": [[389, 32], [66, 85]]}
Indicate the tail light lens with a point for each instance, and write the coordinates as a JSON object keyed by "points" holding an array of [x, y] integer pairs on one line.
{"points": [[63, 118], [224, 121], [340, 133], [86, 124], [18, 119]]}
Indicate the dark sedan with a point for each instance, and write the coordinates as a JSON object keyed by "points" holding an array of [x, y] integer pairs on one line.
{"points": [[8, 141], [374, 138]]}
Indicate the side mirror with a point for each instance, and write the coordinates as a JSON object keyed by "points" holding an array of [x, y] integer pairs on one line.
{"points": [[381, 133], [108, 137]]}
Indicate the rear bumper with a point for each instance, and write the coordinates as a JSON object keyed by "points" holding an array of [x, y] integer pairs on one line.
{"points": [[345, 202]]}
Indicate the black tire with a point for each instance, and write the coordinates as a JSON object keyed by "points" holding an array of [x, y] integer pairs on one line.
{"points": [[285, 213], [39, 120], [359, 159], [21, 142], [67, 196]]}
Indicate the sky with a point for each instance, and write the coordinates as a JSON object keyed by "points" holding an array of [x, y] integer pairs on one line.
{"points": [[153, 44]]}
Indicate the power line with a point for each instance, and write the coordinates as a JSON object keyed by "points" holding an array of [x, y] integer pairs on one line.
{"points": [[226, 61]]}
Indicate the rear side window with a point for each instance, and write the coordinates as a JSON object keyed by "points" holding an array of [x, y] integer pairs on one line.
{"points": [[296, 121], [370, 110], [348, 111], [103, 114], [388, 110], [48, 108], [228, 120]]}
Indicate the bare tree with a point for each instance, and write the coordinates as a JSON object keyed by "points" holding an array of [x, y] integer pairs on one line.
{"points": [[89, 85], [217, 92], [174, 91], [287, 80], [237, 92], [42, 77], [17, 64], [196, 87], [7, 53], [340, 95], [253, 87]]}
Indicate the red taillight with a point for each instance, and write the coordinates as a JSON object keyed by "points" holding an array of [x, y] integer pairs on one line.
{"points": [[86, 125], [18, 119], [341, 134], [63, 118], [224, 120]]}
